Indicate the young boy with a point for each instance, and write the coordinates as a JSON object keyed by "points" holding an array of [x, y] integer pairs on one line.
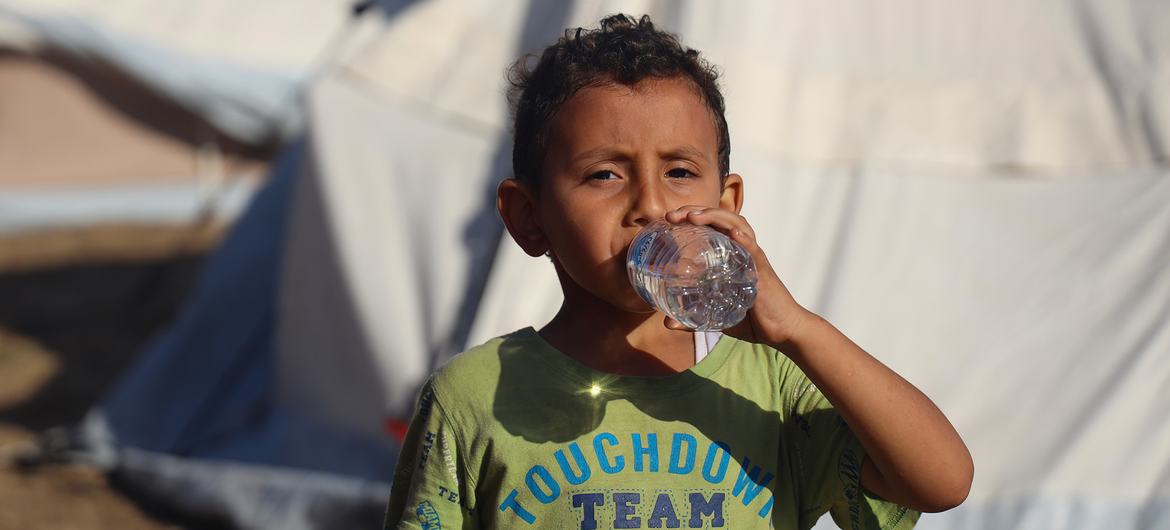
{"points": [[613, 416]]}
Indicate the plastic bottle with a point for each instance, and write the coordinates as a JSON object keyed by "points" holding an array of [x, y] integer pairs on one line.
{"points": [[694, 274]]}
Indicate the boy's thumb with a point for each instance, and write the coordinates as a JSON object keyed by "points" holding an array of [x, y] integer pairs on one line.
{"points": [[673, 324]]}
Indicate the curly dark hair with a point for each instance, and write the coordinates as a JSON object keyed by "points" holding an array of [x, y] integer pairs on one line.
{"points": [[623, 50]]}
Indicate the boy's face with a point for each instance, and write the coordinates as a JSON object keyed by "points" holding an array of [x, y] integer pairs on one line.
{"points": [[619, 157]]}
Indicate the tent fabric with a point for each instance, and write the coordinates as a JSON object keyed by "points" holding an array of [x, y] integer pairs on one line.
{"points": [[277, 36], [402, 223], [224, 60], [416, 198], [296, 285], [976, 193], [100, 127], [23, 210]]}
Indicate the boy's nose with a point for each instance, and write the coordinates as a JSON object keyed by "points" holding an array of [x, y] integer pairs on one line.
{"points": [[647, 204]]}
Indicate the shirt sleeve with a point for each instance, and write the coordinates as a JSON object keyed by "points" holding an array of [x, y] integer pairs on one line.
{"points": [[827, 457], [430, 489]]}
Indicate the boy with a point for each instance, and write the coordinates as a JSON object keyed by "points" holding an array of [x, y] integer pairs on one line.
{"points": [[612, 416]]}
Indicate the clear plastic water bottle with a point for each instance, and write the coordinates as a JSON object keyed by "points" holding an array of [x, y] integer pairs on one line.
{"points": [[694, 274]]}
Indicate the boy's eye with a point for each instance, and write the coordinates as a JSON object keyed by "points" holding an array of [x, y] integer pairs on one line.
{"points": [[680, 173], [604, 174]]}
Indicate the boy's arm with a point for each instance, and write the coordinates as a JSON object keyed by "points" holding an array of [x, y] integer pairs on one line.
{"points": [[431, 488], [914, 455]]}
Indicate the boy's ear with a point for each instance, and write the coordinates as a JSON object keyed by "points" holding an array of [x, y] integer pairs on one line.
{"points": [[517, 209], [731, 198]]}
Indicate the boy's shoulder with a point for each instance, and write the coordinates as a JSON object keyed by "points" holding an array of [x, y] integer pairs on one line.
{"points": [[474, 374]]}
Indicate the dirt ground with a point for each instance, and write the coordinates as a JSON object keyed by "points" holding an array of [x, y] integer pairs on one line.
{"points": [[75, 306]]}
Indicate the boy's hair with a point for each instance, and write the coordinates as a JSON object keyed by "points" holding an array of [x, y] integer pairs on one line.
{"points": [[623, 51]]}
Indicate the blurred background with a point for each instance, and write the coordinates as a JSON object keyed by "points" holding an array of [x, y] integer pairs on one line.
{"points": [[235, 236]]}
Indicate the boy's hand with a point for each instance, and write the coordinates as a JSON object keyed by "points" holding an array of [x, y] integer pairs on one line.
{"points": [[775, 317]]}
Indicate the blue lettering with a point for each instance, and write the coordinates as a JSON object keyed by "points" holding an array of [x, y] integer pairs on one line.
{"points": [[712, 450], [701, 507], [767, 507], [650, 449], [512, 503], [623, 512], [741, 483], [573, 478], [588, 501], [554, 489], [663, 513], [619, 462], [676, 466]]}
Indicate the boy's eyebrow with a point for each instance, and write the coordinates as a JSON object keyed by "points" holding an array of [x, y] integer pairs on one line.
{"points": [[598, 153], [609, 152], [684, 152]]}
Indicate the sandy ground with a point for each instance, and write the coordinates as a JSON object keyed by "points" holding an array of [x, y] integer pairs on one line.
{"points": [[75, 306]]}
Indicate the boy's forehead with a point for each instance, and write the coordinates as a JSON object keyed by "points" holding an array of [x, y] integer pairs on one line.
{"points": [[652, 111]]}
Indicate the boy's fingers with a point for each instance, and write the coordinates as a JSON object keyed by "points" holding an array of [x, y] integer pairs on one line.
{"points": [[680, 214], [727, 221]]}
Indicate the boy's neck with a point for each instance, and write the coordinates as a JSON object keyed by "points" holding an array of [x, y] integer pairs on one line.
{"points": [[620, 342]]}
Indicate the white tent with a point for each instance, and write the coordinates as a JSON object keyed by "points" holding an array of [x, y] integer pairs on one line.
{"points": [[978, 193]]}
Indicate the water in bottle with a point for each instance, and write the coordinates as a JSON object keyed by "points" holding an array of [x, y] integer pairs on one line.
{"points": [[694, 274]]}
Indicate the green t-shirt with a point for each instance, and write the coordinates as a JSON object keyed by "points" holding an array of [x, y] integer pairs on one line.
{"points": [[515, 434]]}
